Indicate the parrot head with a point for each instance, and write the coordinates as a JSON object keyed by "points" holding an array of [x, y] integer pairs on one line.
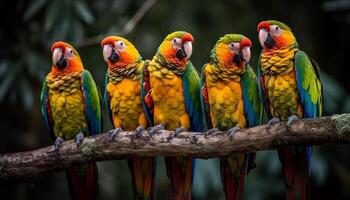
{"points": [[65, 58], [177, 48], [275, 35], [119, 52], [232, 51]]}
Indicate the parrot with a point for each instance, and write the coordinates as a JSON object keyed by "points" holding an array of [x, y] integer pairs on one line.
{"points": [[171, 97], [291, 88], [230, 101], [71, 108], [123, 99]]}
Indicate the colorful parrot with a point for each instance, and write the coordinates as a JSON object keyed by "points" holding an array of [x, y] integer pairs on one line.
{"points": [[230, 101], [291, 88], [170, 92], [71, 109], [123, 99]]}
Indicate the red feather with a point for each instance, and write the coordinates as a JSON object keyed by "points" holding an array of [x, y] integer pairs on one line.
{"points": [[83, 181]]}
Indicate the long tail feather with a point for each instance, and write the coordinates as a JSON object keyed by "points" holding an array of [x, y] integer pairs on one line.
{"points": [[143, 174], [296, 169], [180, 171], [83, 181], [233, 173]]}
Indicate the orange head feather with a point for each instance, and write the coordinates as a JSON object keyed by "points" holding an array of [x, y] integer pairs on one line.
{"points": [[119, 52], [65, 59], [275, 35], [176, 48], [232, 51]]}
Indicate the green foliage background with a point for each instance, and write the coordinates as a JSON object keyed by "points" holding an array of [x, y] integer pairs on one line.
{"points": [[28, 28]]}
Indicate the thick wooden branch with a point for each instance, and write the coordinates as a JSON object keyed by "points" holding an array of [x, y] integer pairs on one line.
{"points": [[326, 130]]}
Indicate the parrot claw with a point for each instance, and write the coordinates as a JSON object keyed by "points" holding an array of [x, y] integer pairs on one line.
{"points": [[114, 133], [79, 138], [271, 122], [290, 120], [231, 132], [58, 142], [154, 129], [137, 133], [179, 130], [210, 132]]}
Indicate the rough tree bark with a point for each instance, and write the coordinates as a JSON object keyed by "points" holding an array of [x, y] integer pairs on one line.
{"points": [[325, 130]]}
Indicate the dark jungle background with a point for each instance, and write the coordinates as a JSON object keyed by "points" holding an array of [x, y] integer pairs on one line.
{"points": [[29, 27]]}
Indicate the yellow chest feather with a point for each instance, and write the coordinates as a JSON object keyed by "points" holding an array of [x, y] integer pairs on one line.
{"points": [[283, 95], [226, 104], [67, 107], [125, 104], [168, 99]]}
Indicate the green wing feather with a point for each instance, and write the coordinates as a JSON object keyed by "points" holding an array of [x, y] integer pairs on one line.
{"points": [[191, 87], [93, 111], [46, 110], [252, 105], [309, 85]]}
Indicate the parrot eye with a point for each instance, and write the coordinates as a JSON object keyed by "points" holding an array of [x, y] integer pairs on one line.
{"points": [[120, 45], [234, 46], [69, 52], [176, 41], [276, 30]]}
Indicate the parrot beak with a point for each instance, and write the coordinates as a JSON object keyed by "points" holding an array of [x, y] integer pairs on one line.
{"points": [[266, 39], [58, 59], [246, 54], [188, 48], [238, 58], [185, 51], [109, 54]]}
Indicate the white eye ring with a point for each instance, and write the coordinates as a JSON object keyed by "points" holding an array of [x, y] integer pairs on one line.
{"points": [[276, 30], [120, 45], [176, 41], [234, 46], [69, 52]]}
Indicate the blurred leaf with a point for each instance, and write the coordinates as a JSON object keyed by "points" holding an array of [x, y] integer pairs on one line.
{"points": [[34, 8], [26, 94], [3, 68], [84, 12], [55, 9], [8, 81]]}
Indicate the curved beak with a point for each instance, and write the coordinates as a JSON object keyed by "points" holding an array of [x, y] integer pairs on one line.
{"points": [[266, 39], [185, 51], [58, 59], [246, 54], [109, 54]]}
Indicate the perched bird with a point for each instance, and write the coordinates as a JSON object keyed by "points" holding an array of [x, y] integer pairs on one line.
{"points": [[123, 98], [171, 96], [230, 101], [71, 109], [291, 88]]}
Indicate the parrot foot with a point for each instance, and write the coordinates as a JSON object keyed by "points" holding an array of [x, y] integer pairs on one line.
{"points": [[271, 122], [137, 133], [154, 129], [79, 138], [210, 132], [179, 130], [114, 133], [231, 132], [58, 142], [290, 120]]}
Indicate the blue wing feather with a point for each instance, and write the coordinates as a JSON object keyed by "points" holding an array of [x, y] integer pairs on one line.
{"points": [[46, 110], [145, 80], [106, 99], [252, 104], [92, 103], [191, 89]]}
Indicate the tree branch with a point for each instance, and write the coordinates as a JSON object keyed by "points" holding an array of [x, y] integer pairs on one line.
{"points": [[325, 130], [129, 26]]}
